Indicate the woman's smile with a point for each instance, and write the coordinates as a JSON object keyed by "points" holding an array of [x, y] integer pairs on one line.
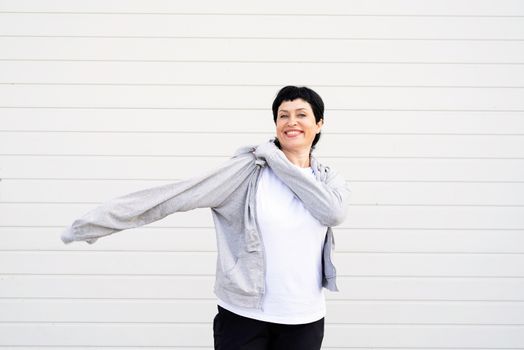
{"points": [[293, 133]]}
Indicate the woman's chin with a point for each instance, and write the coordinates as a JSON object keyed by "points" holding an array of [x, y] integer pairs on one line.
{"points": [[295, 147]]}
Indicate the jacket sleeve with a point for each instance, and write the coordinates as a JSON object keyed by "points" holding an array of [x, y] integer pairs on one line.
{"points": [[325, 196], [152, 204]]}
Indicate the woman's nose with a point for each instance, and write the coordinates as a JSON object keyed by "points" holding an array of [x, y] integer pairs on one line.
{"points": [[292, 120]]}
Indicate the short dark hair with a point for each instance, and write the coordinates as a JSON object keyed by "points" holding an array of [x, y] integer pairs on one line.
{"points": [[290, 93]]}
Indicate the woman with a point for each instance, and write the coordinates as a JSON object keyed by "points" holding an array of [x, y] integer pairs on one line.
{"points": [[273, 206]]}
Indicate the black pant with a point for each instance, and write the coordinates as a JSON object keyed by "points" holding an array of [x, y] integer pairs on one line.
{"points": [[234, 332]]}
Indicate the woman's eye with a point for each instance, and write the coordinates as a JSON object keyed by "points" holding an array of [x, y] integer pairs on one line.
{"points": [[301, 115]]}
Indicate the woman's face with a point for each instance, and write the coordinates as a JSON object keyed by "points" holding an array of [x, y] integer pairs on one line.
{"points": [[296, 126]]}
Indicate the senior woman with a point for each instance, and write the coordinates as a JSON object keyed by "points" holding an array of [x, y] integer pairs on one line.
{"points": [[273, 207]]}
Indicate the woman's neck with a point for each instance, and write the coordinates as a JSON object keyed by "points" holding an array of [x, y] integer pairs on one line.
{"points": [[299, 158]]}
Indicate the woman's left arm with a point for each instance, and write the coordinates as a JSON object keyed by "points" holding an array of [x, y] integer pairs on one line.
{"points": [[326, 196]]}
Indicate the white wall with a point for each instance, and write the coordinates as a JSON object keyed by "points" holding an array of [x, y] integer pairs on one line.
{"points": [[425, 117]]}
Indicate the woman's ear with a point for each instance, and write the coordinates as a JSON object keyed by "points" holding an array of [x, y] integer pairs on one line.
{"points": [[320, 123]]}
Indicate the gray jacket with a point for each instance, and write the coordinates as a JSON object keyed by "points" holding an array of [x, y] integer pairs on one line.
{"points": [[230, 192]]}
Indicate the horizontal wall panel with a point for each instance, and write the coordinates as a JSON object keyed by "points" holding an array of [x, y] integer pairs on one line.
{"points": [[116, 287], [150, 335], [257, 97], [275, 74], [373, 216], [429, 122], [186, 263], [93, 167], [99, 335], [378, 193], [337, 7], [265, 50], [125, 143], [171, 168], [426, 288], [154, 120], [121, 311], [258, 121], [393, 193], [358, 312], [429, 169], [174, 97], [203, 240], [108, 263], [480, 241], [139, 239], [126, 347], [409, 336], [147, 25], [201, 287], [337, 145], [202, 311]]}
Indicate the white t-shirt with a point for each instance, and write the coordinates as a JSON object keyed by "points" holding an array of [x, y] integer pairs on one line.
{"points": [[293, 241]]}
